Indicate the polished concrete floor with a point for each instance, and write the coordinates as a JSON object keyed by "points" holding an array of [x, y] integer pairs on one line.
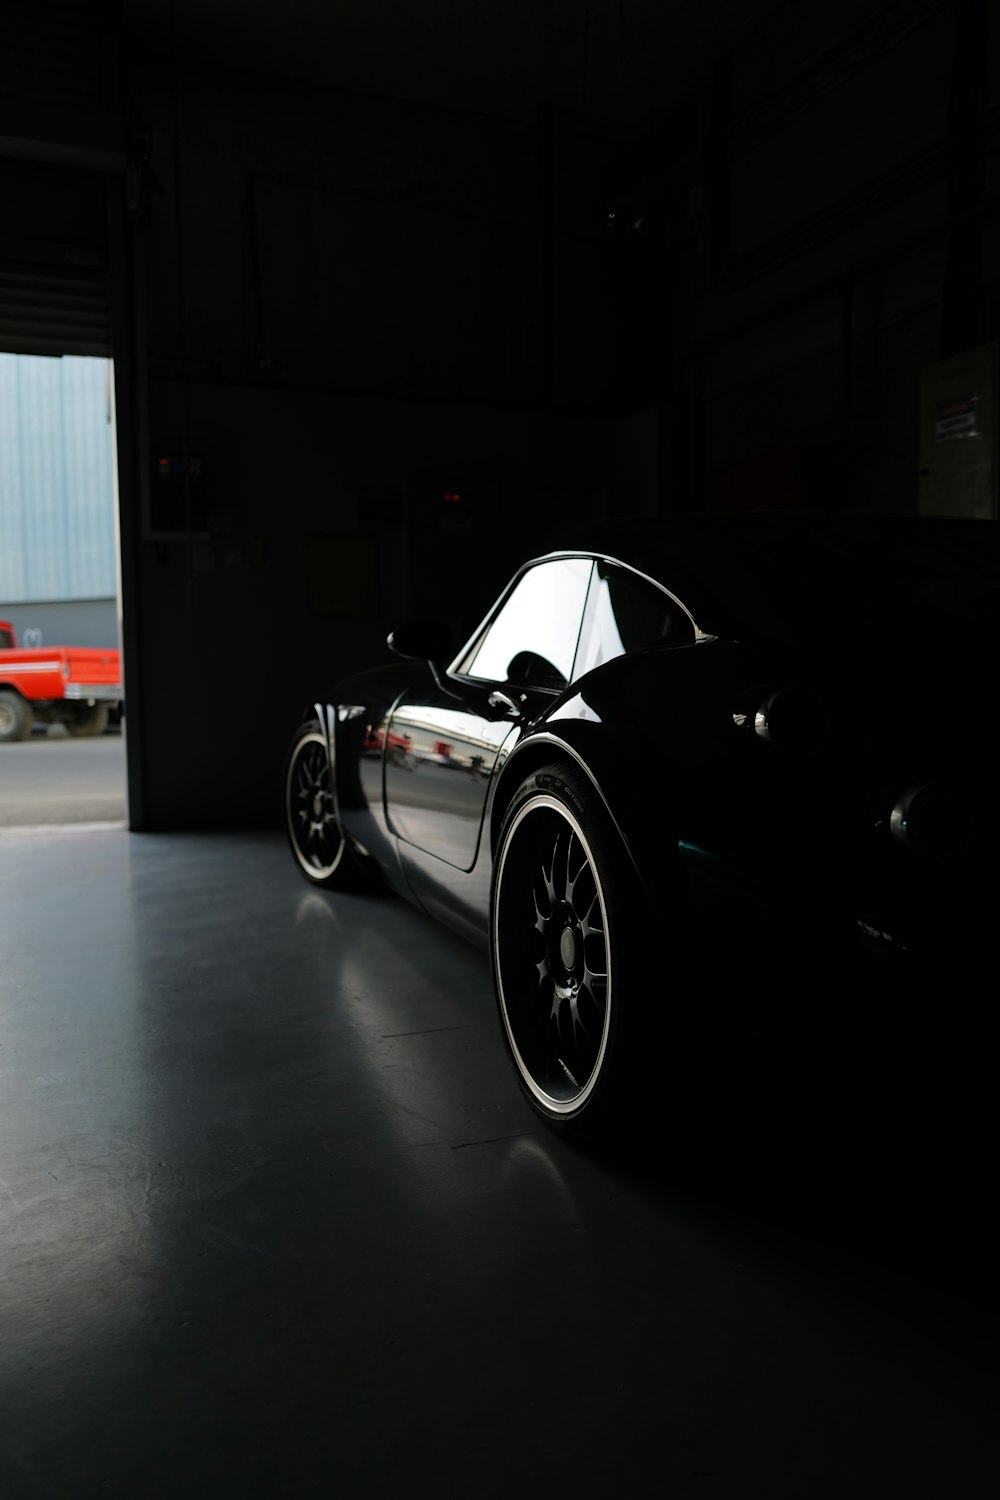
{"points": [[275, 1222]]}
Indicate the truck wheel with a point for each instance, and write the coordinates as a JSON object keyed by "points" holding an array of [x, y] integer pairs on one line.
{"points": [[16, 717], [88, 721]]}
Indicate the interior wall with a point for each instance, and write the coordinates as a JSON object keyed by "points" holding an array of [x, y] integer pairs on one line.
{"points": [[833, 230], [354, 304], [345, 308], [351, 308], [315, 504], [297, 235]]}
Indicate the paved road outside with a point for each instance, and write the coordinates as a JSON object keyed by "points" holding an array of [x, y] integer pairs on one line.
{"points": [[53, 779]]}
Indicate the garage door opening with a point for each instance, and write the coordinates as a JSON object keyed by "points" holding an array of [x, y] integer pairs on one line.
{"points": [[62, 757]]}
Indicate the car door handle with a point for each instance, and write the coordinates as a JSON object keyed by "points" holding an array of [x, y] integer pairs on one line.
{"points": [[498, 699]]}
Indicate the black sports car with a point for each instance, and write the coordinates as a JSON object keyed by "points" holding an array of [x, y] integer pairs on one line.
{"points": [[698, 776]]}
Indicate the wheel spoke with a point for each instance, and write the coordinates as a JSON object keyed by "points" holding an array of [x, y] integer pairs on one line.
{"points": [[540, 918], [569, 1055], [587, 927], [569, 882], [548, 878]]}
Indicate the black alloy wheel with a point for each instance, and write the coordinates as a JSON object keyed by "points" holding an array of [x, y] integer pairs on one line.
{"points": [[314, 832], [566, 943]]}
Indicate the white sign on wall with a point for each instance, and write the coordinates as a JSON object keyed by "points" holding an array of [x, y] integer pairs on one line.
{"points": [[956, 419]]}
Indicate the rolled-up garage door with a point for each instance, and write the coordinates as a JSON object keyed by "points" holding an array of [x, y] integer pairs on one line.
{"points": [[47, 310], [53, 260]]}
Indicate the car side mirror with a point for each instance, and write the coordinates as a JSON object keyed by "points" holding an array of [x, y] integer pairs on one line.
{"points": [[422, 640]]}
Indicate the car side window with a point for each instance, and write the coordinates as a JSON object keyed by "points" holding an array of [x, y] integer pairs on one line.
{"points": [[533, 640], [624, 613]]}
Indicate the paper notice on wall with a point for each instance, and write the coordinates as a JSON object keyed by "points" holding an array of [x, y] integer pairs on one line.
{"points": [[956, 419]]}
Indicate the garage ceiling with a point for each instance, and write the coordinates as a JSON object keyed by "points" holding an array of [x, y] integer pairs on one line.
{"points": [[619, 62]]}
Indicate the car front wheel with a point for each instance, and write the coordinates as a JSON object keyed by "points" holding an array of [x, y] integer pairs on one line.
{"points": [[568, 920], [314, 833]]}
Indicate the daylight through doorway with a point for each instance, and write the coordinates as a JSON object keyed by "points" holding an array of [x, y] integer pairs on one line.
{"points": [[61, 697]]}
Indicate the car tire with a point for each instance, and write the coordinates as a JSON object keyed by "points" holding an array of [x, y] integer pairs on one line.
{"points": [[316, 838], [16, 717], [570, 928], [90, 721]]}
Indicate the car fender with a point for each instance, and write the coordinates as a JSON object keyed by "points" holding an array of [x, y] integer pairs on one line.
{"points": [[684, 784], [641, 821]]}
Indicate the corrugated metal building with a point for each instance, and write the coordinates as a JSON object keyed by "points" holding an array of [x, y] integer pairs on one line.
{"points": [[57, 518]]}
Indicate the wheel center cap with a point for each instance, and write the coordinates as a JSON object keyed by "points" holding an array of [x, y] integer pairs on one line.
{"points": [[317, 806], [567, 947]]}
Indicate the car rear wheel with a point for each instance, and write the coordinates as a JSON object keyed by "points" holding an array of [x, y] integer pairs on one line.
{"points": [[88, 721], [16, 717], [569, 929], [314, 833]]}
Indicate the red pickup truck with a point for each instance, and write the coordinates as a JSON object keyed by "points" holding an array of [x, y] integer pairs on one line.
{"points": [[72, 685]]}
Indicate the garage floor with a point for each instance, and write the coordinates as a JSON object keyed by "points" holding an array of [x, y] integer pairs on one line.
{"points": [[274, 1221]]}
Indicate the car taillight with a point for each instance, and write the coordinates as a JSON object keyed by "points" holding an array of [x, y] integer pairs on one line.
{"points": [[931, 819]]}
